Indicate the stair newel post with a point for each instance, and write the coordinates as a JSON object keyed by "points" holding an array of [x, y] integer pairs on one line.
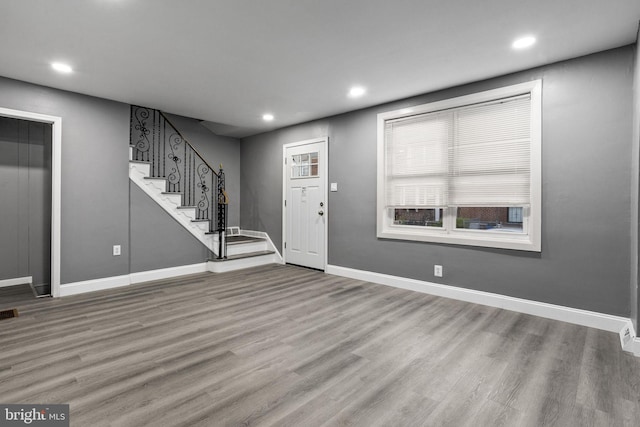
{"points": [[222, 202], [185, 181], [213, 222]]}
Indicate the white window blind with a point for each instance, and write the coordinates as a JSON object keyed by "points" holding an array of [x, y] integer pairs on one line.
{"points": [[490, 156], [417, 160], [477, 155]]}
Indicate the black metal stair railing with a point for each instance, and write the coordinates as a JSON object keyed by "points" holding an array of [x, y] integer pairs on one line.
{"points": [[155, 140]]}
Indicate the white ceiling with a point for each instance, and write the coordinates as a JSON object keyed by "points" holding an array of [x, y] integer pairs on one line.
{"points": [[231, 61]]}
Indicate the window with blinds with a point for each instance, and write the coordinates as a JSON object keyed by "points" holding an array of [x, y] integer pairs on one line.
{"points": [[458, 170]]}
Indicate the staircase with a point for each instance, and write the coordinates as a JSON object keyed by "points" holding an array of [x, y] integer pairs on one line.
{"points": [[172, 172]]}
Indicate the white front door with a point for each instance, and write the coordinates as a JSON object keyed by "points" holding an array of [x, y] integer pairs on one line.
{"points": [[305, 201]]}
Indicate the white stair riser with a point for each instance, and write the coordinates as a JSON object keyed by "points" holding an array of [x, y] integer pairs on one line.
{"points": [[143, 169], [189, 213], [238, 264], [204, 226], [173, 198], [247, 247], [158, 184]]}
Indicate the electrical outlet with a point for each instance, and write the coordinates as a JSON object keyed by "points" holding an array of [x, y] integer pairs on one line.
{"points": [[437, 270], [116, 250]]}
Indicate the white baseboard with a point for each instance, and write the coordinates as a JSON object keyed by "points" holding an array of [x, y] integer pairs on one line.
{"points": [[17, 281], [128, 279], [167, 273], [576, 316], [607, 322], [75, 288]]}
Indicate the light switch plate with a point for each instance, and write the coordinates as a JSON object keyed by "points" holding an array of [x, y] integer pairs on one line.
{"points": [[334, 186]]}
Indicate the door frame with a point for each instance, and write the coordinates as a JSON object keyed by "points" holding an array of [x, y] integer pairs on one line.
{"points": [[56, 184], [324, 170]]}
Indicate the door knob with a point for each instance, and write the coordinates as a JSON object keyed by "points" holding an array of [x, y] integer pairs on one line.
{"points": [[320, 212]]}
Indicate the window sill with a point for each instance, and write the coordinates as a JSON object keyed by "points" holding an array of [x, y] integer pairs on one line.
{"points": [[496, 239]]}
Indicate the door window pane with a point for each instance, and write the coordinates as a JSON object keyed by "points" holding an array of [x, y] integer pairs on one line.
{"points": [[304, 165]]}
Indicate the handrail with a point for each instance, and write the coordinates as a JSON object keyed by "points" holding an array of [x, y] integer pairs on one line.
{"points": [[204, 160]]}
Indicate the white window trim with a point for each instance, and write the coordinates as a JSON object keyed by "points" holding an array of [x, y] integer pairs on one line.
{"points": [[530, 240]]}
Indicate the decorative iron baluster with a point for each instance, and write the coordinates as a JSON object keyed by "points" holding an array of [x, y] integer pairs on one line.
{"points": [[203, 204], [139, 129], [174, 178]]}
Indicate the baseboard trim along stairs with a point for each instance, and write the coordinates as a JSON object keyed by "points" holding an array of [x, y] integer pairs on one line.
{"points": [[238, 261], [102, 284]]}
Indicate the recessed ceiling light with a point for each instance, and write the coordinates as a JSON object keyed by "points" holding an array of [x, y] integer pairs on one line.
{"points": [[60, 67], [523, 42], [267, 117], [357, 91]]}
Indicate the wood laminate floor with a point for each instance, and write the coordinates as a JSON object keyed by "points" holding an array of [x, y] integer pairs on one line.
{"points": [[12, 296], [287, 346]]}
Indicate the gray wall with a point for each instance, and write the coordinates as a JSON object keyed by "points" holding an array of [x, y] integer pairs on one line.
{"points": [[635, 190], [25, 191], [95, 180], [216, 150], [157, 240], [261, 176], [584, 261]]}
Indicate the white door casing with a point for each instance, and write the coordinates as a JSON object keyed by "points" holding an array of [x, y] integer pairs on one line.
{"points": [[56, 184], [304, 224]]}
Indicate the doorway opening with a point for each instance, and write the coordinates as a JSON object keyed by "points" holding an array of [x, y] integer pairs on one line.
{"points": [[25, 174], [30, 168]]}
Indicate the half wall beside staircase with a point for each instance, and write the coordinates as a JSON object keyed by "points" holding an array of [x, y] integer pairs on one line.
{"points": [[172, 172]]}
